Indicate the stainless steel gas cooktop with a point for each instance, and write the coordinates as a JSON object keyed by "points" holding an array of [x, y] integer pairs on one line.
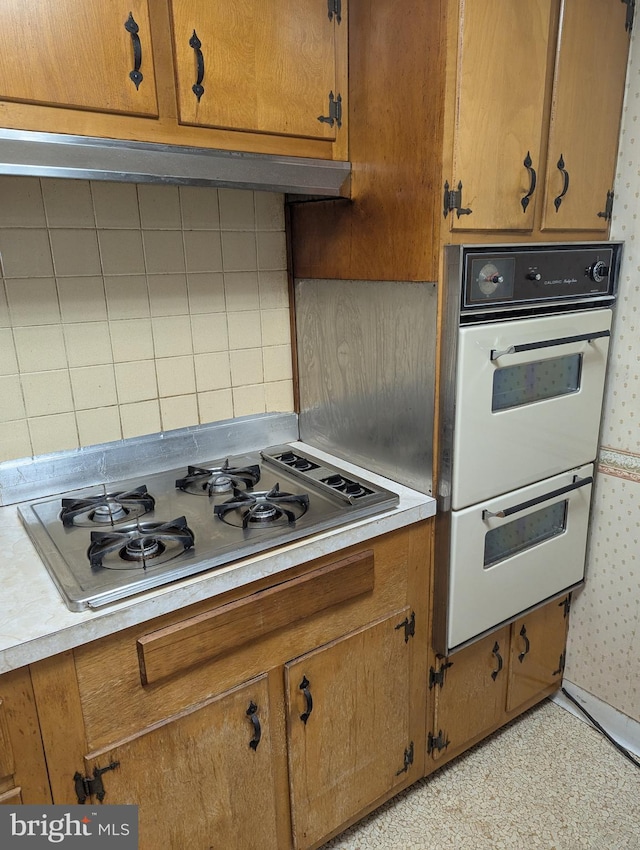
{"points": [[105, 543]]}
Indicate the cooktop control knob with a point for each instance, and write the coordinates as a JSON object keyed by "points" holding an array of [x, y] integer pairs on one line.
{"points": [[598, 271], [534, 276]]}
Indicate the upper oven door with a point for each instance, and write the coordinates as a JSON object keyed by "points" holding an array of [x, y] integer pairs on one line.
{"points": [[528, 401]]}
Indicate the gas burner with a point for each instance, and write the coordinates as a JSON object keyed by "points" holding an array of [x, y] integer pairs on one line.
{"points": [[262, 510], [302, 464], [106, 508], [346, 485], [140, 545], [212, 481]]}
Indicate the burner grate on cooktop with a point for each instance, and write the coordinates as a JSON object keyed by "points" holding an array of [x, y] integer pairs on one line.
{"points": [[272, 507], [212, 481], [106, 508], [140, 545]]}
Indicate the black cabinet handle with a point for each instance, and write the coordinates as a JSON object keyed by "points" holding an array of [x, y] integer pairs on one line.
{"points": [[565, 176], [496, 651], [528, 164], [304, 687], [527, 645], [132, 28], [257, 731], [197, 88]]}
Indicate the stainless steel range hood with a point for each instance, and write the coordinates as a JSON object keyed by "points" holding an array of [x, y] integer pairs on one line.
{"points": [[55, 155]]}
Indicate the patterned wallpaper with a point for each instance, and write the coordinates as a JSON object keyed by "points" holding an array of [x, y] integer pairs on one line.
{"points": [[603, 654]]}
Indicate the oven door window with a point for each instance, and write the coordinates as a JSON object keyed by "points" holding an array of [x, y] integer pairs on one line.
{"points": [[514, 386], [524, 533]]}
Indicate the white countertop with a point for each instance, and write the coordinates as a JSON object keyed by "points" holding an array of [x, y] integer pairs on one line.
{"points": [[35, 623]]}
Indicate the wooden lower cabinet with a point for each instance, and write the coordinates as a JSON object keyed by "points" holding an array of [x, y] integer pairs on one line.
{"points": [[197, 717], [478, 689], [23, 770], [349, 726]]}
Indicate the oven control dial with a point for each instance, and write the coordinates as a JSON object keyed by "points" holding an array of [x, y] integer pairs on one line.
{"points": [[535, 276], [598, 271], [489, 279]]}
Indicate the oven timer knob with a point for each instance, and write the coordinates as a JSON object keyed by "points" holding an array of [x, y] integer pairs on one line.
{"points": [[598, 271]]}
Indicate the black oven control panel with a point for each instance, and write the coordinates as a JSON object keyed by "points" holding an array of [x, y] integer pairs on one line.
{"points": [[511, 277]]}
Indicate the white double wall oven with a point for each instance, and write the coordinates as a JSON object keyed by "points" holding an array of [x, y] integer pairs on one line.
{"points": [[522, 385]]}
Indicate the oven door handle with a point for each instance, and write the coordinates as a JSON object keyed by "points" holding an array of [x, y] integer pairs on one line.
{"points": [[547, 343], [577, 482]]}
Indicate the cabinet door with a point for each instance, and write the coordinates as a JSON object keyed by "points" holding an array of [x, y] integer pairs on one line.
{"points": [[203, 778], [470, 697], [259, 65], [537, 652], [78, 53], [348, 713], [587, 103], [500, 95]]}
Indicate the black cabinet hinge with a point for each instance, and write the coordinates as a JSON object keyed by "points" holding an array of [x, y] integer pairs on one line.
{"points": [[436, 677], [608, 208], [335, 10], [409, 626], [408, 760], [631, 10], [335, 111], [562, 661], [92, 786], [453, 201], [566, 604], [438, 742]]}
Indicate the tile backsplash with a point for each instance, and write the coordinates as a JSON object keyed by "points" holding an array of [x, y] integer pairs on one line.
{"points": [[131, 309]]}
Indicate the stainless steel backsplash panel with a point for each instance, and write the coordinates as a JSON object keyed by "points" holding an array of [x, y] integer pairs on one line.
{"points": [[366, 361]]}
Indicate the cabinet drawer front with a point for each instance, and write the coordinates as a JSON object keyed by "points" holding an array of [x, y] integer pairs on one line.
{"points": [[207, 636]]}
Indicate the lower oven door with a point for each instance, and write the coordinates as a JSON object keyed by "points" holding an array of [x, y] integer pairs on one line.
{"points": [[528, 401], [511, 553]]}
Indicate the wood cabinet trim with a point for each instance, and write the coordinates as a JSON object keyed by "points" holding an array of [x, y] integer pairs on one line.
{"points": [[207, 636]]}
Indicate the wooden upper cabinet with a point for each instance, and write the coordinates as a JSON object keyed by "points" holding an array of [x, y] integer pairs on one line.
{"points": [[258, 65], [82, 54], [502, 59], [588, 91]]}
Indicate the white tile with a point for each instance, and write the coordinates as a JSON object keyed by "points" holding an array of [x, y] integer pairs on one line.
{"points": [[239, 251], [88, 343], [168, 294], [40, 347], [279, 396], [159, 206], [248, 400], [209, 332], [179, 412], [131, 339], [21, 202], [68, 203], [99, 425], [82, 299], [127, 296], [54, 433], [277, 363], [121, 252], [142, 417], [136, 381], [12, 406], [25, 253], [33, 302], [241, 291], [212, 371], [199, 208], [47, 392], [203, 251], [245, 329], [172, 336], [8, 359], [272, 251], [215, 406], [163, 251], [274, 290], [115, 204], [93, 386], [246, 367], [15, 440], [176, 376], [75, 252], [276, 327], [237, 210], [206, 292], [269, 211]]}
